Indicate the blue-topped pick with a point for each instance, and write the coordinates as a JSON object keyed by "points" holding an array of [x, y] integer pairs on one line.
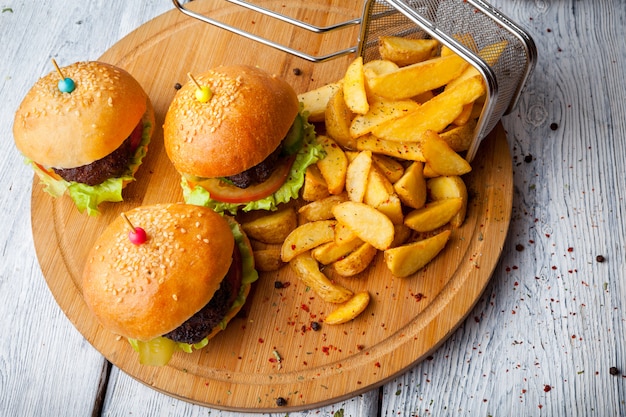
{"points": [[65, 85]]}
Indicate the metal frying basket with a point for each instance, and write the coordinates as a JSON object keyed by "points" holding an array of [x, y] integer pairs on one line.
{"points": [[467, 27]]}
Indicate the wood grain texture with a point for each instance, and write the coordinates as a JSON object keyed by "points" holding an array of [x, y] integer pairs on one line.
{"points": [[407, 319]]}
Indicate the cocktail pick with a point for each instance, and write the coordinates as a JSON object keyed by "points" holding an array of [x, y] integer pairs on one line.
{"points": [[65, 85], [203, 93], [136, 235]]}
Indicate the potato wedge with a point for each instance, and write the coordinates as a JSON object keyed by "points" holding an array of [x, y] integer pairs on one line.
{"points": [[333, 166], [331, 252], [356, 261], [401, 235], [440, 188], [418, 78], [357, 175], [410, 151], [411, 187], [433, 215], [406, 260], [273, 227], [315, 187], [435, 114], [267, 260], [369, 224], [307, 270], [441, 157], [354, 87], [378, 67], [321, 209], [349, 310], [337, 118], [459, 137], [391, 168], [343, 234], [392, 208], [307, 236], [315, 101], [378, 189], [404, 51], [381, 111]]}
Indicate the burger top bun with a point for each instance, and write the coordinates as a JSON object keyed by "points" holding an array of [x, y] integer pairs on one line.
{"points": [[246, 118], [144, 291], [68, 130]]}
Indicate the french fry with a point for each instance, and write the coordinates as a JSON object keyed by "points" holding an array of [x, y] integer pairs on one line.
{"points": [[307, 236], [404, 51], [369, 224], [356, 261], [307, 270], [435, 114], [330, 252], [273, 227], [315, 101], [405, 260], [315, 187], [410, 151], [381, 111], [357, 175], [441, 157], [267, 260], [354, 87], [333, 166], [433, 215], [418, 78], [337, 118], [321, 209], [349, 310], [443, 187], [411, 187]]}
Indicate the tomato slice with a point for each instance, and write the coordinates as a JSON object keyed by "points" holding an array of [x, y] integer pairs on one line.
{"points": [[135, 137], [227, 193]]}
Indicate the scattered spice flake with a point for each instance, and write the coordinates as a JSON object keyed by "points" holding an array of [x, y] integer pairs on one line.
{"points": [[547, 388], [519, 247], [600, 258], [281, 402], [277, 358], [554, 126], [261, 340], [7, 10], [377, 364], [613, 370]]}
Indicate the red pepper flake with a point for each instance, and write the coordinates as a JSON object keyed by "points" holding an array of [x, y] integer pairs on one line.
{"points": [[547, 388], [570, 249], [377, 364], [273, 360], [304, 307], [261, 340], [326, 350], [293, 247], [360, 347]]}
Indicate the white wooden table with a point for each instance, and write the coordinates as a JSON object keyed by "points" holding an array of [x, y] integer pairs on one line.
{"points": [[540, 342]]}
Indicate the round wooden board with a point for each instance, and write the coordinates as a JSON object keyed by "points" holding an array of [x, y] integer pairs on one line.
{"points": [[407, 318]]}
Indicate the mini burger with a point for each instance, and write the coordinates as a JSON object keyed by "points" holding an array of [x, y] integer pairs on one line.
{"points": [[244, 145], [89, 140], [175, 288]]}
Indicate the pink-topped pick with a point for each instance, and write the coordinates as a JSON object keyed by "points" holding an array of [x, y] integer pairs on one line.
{"points": [[136, 235]]}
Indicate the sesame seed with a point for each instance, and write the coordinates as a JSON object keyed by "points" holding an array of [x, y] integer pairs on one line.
{"points": [[175, 297]]}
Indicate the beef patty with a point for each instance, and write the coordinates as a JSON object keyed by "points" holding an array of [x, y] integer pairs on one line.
{"points": [[200, 325]]}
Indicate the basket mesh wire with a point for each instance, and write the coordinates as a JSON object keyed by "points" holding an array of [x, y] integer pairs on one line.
{"points": [[457, 23]]}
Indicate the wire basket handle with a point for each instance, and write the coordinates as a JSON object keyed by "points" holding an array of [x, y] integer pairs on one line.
{"points": [[295, 22]]}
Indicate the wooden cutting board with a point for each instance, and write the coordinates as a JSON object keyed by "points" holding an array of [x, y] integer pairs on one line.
{"points": [[407, 319]]}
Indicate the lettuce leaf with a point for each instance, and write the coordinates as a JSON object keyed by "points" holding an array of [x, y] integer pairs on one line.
{"points": [[158, 351], [88, 197], [309, 154]]}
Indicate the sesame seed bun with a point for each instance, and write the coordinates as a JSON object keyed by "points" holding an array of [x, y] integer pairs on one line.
{"points": [[247, 117], [68, 130], [145, 291]]}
